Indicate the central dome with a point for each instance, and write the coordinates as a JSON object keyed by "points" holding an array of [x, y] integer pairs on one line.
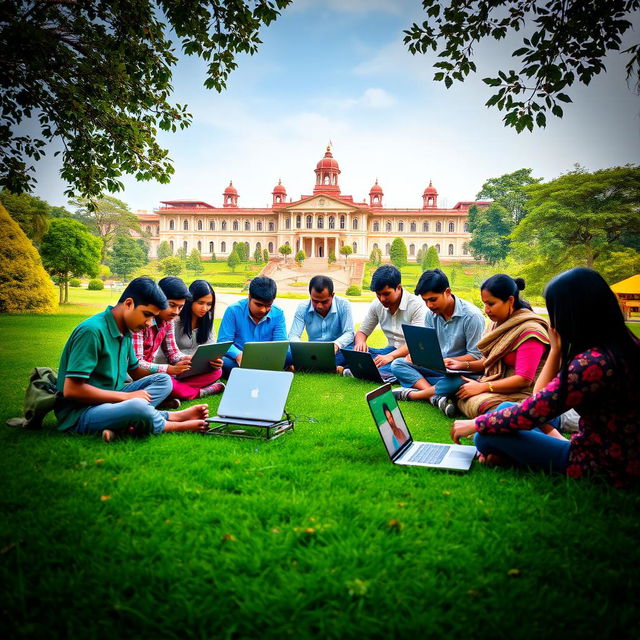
{"points": [[328, 161]]}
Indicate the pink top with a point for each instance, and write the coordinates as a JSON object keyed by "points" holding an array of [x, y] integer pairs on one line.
{"points": [[526, 358]]}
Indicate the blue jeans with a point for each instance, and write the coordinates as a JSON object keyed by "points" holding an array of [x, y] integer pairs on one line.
{"points": [[532, 449], [408, 374], [385, 371], [229, 363], [137, 412], [340, 359]]}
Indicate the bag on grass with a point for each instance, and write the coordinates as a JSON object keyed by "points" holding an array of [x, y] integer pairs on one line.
{"points": [[39, 398]]}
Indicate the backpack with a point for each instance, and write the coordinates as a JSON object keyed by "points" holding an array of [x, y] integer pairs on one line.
{"points": [[39, 399]]}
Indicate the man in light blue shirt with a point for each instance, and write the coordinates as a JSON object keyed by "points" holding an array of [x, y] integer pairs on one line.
{"points": [[253, 319], [459, 325], [325, 317]]}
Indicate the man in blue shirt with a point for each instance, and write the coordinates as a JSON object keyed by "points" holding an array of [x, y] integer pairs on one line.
{"points": [[253, 319], [459, 325], [325, 317]]}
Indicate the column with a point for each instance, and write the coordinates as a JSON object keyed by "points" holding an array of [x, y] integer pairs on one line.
{"points": [[313, 246], [326, 244]]}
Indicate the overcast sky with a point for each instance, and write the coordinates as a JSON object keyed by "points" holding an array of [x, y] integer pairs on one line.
{"points": [[338, 70]]}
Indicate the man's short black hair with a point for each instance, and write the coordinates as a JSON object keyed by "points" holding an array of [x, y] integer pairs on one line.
{"points": [[144, 291], [174, 288], [432, 280], [320, 283], [263, 288], [385, 276]]}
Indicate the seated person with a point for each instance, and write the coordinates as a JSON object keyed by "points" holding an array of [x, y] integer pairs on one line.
{"points": [[94, 366], [598, 363], [459, 325], [394, 307], [513, 349], [254, 319], [326, 318]]}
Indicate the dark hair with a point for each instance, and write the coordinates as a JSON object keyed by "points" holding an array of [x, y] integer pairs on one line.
{"points": [[263, 288], [432, 280], [386, 407], [320, 283], [585, 312], [144, 291], [385, 276], [174, 288], [503, 286], [199, 289]]}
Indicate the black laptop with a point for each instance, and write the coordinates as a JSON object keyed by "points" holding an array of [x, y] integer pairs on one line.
{"points": [[362, 366]]}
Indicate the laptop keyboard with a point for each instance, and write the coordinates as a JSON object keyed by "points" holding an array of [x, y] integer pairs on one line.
{"points": [[430, 453]]}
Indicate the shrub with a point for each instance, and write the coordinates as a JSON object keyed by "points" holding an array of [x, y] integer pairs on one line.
{"points": [[105, 272], [353, 290], [398, 253], [24, 284], [171, 266], [74, 282], [95, 285], [430, 259], [332, 257]]}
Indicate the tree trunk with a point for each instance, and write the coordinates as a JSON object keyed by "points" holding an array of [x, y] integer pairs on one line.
{"points": [[61, 288], [66, 290]]}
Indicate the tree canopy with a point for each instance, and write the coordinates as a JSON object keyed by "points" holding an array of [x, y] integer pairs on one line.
{"points": [[563, 41], [398, 253], [30, 212], [490, 228], [509, 191], [97, 76], [126, 256], [194, 262]]}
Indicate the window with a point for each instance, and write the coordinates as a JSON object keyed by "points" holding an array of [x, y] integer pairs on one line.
{"points": [[438, 227], [298, 222], [321, 202], [185, 246], [247, 225], [438, 249], [199, 225], [148, 229], [172, 225], [309, 222], [376, 226], [388, 227], [185, 225], [342, 222], [271, 247], [355, 247], [259, 225], [171, 245], [413, 227], [387, 248], [354, 224], [465, 227], [212, 225], [450, 249], [425, 227], [211, 247], [412, 249], [199, 246], [236, 226], [424, 246], [332, 222], [401, 226], [451, 227], [223, 247], [320, 222], [287, 223], [375, 245], [465, 250], [271, 225], [223, 226]]}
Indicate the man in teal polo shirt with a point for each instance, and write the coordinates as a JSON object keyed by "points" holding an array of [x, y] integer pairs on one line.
{"points": [[95, 364]]}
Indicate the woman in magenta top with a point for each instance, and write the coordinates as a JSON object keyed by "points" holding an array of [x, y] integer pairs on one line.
{"points": [[594, 368]]}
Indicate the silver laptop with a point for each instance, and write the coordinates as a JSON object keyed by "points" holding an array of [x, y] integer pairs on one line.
{"points": [[269, 356], [362, 366], [203, 355], [424, 349], [254, 398], [401, 446], [313, 356]]}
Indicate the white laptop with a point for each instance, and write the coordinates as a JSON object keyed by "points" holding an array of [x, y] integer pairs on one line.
{"points": [[401, 446]]}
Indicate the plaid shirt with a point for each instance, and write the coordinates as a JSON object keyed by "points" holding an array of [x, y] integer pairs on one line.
{"points": [[146, 344]]}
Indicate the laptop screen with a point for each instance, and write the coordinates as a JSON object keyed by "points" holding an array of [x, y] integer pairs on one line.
{"points": [[390, 422]]}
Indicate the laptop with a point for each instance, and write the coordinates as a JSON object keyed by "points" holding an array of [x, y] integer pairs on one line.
{"points": [[424, 349], [362, 366], [313, 356], [204, 354], [254, 397], [269, 356], [401, 446]]}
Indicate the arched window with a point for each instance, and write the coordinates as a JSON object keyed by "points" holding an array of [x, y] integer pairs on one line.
{"points": [[247, 225], [199, 246], [450, 249], [309, 222], [424, 246], [376, 226], [355, 247], [287, 243], [185, 246], [412, 249], [223, 247], [149, 229], [342, 222], [211, 247], [451, 227], [223, 226], [185, 225], [438, 227], [438, 249], [236, 226], [298, 222], [375, 245], [388, 227], [271, 225], [199, 225], [413, 227], [387, 248], [326, 179], [212, 225], [425, 227], [354, 224], [465, 227], [400, 226], [171, 245], [287, 223], [320, 222], [332, 222], [259, 225], [270, 247], [172, 225]]}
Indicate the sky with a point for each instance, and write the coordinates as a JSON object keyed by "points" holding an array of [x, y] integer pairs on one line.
{"points": [[337, 70]]}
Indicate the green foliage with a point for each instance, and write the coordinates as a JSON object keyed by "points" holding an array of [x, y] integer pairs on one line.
{"points": [[265, 255], [509, 191], [490, 228], [213, 257], [113, 97], [194, 262], [353, 290], [430, 260], [346, 251], [69, 249], [74, 282], [375, 257], [618, 265], [126, 256], [285, 250], [164, 250], [300, 257], [420, 256], [95, 285], [398, 253], [332, 258], [233, 260], [24, 284], [242, 249], [30, 212], [104, 272], [257, 254], [181, 254], [561, 43], [171, 266]]}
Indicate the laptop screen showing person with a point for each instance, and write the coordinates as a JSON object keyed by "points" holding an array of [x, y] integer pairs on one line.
{"points": [[390, 422]]}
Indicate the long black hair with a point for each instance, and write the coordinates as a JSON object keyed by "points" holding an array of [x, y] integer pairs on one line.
{"points": [[199, 289], [503, 286], [585, 312]]}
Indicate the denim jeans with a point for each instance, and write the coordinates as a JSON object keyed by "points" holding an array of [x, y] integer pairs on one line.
{"points": [[408, 374]]}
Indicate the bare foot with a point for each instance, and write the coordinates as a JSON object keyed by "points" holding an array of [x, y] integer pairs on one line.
{"points": [[186, 425], [108, 435], [199, 412], [494, 460]]}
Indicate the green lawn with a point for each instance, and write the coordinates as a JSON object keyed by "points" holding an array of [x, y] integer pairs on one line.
{"points": [[315, 534]]}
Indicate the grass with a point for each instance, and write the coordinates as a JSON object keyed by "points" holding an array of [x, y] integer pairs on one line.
{"points": [[313, 534]]}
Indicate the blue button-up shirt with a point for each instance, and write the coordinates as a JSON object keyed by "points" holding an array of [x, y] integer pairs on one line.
{"points": [[459, 335], [336, 326], [239, 327]]}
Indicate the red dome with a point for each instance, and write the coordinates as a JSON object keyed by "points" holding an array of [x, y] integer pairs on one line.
{"points": [[376, 188], [430, 190], [230, 190], [328, 162], [279, 188]]}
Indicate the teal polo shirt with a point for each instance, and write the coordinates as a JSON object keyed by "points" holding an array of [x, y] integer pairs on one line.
{"points": [[97, 352]]}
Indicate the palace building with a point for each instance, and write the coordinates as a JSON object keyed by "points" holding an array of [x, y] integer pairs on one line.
{"points": [[319, 224]]}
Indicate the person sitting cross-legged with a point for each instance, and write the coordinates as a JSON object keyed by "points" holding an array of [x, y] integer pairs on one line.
{"points": [[459, 325], [93, 394]]}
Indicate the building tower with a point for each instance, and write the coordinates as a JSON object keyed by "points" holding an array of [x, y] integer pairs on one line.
{"points": [[327, 171], [279, 193], [430, 197], [375, 195], [230, 196]]}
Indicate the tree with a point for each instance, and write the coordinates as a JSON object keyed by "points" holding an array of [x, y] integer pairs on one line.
{"points": [[164, 250], [332, 257], [233, 260], [98, 77], [300, 257], [346, 251], [257, 254], [106, 217], [431, 259], [265, 255], [181, 253], [242, 249], [31, 213], [194, 262], [375, 258], [398, 253], [508, 191], [419, 256], [24, 284], [171, 266], [285, 250], [68, 249], [563, 41], [125, 257], [490, 228]]}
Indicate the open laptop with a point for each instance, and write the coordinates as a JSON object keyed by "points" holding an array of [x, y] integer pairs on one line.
{"points": [[254, 398], [401, 446], [362, 366], [313, 356], [268, 356], [203, 355], [424, 349]]}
